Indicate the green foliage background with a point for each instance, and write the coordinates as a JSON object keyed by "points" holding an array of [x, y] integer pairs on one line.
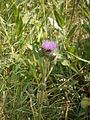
{"points": [[24, 95]]}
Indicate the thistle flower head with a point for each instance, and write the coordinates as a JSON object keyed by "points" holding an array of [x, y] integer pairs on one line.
{"points": [[49, 45]]}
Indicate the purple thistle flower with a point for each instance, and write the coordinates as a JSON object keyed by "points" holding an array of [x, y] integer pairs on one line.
{"points": [[49, 45]]}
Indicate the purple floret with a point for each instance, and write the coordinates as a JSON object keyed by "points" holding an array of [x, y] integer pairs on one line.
{"points": [[49, 45]]}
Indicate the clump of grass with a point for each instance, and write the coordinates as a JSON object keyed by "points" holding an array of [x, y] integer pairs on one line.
{"points": [[36, 81]]}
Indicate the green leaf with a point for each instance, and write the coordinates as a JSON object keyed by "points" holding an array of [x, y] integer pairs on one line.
{"points": [[85, 102], [59, 19], [86, 27], [65, 63], [81, 59], [71, 32]]}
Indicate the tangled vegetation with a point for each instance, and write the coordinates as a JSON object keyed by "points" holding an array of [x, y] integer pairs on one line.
{"points": [[44, 59]]}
